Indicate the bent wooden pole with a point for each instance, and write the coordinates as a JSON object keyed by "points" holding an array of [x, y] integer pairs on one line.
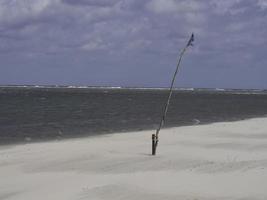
{"points": [[155, 137]]}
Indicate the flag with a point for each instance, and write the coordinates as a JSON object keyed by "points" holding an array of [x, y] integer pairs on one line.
{"points": [[191, 40]]}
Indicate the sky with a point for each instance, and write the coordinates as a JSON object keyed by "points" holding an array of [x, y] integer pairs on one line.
{"points": [[133, 43]]}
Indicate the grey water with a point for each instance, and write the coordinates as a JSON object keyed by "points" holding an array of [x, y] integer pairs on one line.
{"points": [[29, 114]]}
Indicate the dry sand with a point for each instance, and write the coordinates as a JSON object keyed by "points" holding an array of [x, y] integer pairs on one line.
{"points": [[205, 162]]}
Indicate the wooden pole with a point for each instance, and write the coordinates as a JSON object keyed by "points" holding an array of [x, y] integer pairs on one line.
{"points": [[155, 137]]}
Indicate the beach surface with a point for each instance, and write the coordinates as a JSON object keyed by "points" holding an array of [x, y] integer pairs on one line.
{"points": [[203, 162]]}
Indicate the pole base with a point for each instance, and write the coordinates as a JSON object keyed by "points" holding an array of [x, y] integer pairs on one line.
{"points": [[154, 144]]}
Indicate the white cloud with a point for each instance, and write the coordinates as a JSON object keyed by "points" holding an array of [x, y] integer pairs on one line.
{"points": [[169, 6], [224, 6], [161, 6], [17, 10], [262, 4], [96, 44]]}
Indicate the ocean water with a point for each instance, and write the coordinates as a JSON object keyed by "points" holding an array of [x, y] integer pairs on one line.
{"points": [[29, 114]]}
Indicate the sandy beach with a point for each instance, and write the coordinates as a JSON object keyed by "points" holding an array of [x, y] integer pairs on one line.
{"points": [[204, 162]]}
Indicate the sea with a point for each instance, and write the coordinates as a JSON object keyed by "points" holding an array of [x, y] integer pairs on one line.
{"points": [[40, 113]]}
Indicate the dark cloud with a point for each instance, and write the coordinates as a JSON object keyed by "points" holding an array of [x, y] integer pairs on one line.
{"points": [[91, 2], [230, 34]]}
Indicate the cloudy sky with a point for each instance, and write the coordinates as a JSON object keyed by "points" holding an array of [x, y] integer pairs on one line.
{"points": [[133, 42]]}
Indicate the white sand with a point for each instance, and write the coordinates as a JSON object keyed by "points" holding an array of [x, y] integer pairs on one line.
{"points": [[215, 162]]}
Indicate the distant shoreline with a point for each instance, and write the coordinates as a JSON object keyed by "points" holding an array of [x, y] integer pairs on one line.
{"points": [[134, 88]]}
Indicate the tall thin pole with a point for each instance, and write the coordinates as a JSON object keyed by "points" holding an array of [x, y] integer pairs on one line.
{"points": [[155, 137]]}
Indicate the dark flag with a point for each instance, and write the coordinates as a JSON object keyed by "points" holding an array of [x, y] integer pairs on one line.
{"points": [[191, 40]]}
